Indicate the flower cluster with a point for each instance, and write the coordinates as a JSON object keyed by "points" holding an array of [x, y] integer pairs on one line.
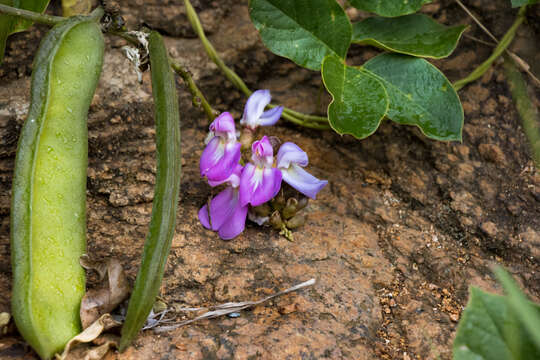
{"points": [[259, 180]]}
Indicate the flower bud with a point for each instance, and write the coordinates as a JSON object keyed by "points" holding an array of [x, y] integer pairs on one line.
{"points": [[290, 208], [275, 220], [302, 203], [278, 202], [262, 210], [296, 221]]}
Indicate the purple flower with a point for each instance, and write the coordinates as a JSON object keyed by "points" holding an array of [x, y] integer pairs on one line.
{"points": [[226, 215], [254, 114], [291, 160], [222, 152], [260, 182]]}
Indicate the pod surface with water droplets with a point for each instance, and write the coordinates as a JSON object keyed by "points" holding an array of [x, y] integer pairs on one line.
{"points": [[48, 211]]}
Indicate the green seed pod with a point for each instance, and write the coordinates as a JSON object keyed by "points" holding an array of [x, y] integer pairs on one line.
{"points": [[48, 210], [163, 222]]}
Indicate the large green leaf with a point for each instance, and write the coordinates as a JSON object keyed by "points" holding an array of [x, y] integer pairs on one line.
{"points": [[359, 99], [304, 31], [6, 26], [389, 8], [38, 6], [419, 95], [489, 330], [518, 3], [415, 34]]}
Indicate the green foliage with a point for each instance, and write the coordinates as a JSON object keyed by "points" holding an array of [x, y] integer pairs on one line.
{"points": [[416, 34], [10, 24], [518, 3], [492, 327], [389, 8], [419, 95], [359, 99], [304, 31]]}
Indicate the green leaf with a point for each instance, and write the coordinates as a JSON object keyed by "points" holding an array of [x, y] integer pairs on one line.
{"points": [[527, 313], [416, 34], [359, 99], [38, 6], [11, 24], [489, 330], [304, 31], [389, 8], [419, 95], [518, 3]]}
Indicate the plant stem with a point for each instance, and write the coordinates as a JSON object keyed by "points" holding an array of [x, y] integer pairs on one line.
{"points": [[30, 15], [501, 47], [288, 114], [198, 98], [526, 109]]}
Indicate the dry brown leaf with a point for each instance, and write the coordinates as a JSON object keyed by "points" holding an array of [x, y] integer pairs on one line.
{"points": [[97, 302], [104, 323]]}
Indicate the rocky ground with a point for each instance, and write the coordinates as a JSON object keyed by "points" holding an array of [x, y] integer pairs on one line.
{"points": [[405, 226]]}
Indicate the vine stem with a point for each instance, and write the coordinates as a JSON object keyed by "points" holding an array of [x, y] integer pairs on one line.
{"points": [[30, 15], [310, 121], [198, 97], [501, 47]]}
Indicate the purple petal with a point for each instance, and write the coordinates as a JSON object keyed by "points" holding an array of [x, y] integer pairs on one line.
{"points": [[225, 165], [269, 187], [303, 181], [235, 224], [270, 117], [262, 148], [222, 206], [258, 185], [245, 188], [211, 155], [223, 126], [233, 179], [203, 217], [290, 153], [255, 107]]}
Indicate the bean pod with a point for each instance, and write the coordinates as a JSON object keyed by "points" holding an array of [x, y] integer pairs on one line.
{"points": [[163, 221], [48, 211]]}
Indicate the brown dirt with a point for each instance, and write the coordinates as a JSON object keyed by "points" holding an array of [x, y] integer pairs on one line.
{"points": [[404, 228]]}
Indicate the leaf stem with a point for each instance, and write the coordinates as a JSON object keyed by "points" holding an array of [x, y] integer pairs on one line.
{"points": [[198, 98], [501, 47], [295, 117], [30, 15]]}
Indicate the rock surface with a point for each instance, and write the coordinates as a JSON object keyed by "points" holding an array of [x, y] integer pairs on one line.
{"points": [[405, 226]]}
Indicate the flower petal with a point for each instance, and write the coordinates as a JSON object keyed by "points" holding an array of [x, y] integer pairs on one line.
{"points": [[270, 117], [233, 179], [223, 126], [246, 186], [222, 206], [211, 155], [303, 181], [291, 153], [203, 217], [268, 187], [227, 164], [255, 107], [235, 224]]}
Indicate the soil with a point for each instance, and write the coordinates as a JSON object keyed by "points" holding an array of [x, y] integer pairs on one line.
{"points": [[405, 226]]}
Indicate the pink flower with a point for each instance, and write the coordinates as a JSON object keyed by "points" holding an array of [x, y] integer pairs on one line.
{"points": [[222, 152]]}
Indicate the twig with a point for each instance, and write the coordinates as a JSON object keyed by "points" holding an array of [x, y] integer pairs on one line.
{"points": [[288, 114], [231, 307], [519, 61], [503, 44], [32, 16], [198, 97]]}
